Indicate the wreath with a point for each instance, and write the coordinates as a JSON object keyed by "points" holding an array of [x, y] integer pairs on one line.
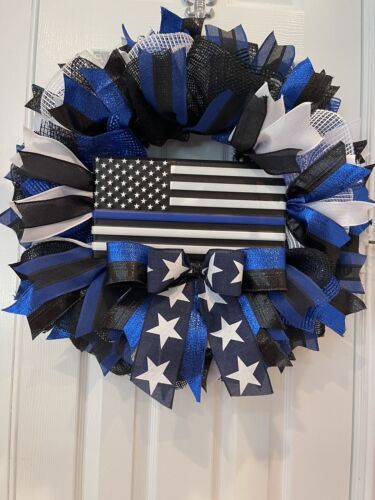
{"points": [[158, 266]]}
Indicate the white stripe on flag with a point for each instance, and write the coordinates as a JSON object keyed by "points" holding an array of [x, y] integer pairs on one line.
{"points": [[101, 246], [225, 171], [187, 233], [219, 203], [227, 188]]}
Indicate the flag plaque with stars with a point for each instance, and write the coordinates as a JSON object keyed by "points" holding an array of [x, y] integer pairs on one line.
{"points": [[188, 204]]}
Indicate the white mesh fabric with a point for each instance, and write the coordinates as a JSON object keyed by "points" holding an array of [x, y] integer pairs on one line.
{"points": [[161, 42], [291, 241], [53, 95], [333, 128]]}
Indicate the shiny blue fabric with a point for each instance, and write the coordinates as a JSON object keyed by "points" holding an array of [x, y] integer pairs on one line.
{"points": [[81, 232], [281, 338], [83, 101], [8, 217], [332, 288], [33, 299], [57, 333], [353, 286], [296, 82], [357, 230], [170, 22], [344, 177], [128, 39], [321, 310], [352, 259], [211, 113], [127, 251], [30, 186], [106, 89], [55, 259], [134, 325], [318, 224], [195, 350], [262, 57], [249, 315], [87, 316], [264, 258], [334, 104], [215, 35], [115, 144]]}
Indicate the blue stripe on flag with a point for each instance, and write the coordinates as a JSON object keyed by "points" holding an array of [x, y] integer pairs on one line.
{"points": [[184, 217]]}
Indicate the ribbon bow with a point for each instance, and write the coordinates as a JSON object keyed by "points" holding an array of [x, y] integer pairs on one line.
{"points": [[221, 270], [187, 303], [152, 312]]}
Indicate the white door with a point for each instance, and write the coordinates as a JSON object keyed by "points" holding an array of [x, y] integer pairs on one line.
{"points": [[67, 433]]}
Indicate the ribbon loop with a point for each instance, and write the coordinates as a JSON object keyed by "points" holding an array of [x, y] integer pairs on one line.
{"points": [[126, 263], [165, 267], [223, 270]]}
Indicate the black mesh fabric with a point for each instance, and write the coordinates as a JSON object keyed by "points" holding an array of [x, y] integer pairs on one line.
{"points": [[193, 25], [34, 103], [44, 318], [49, 129], [146, 123], [211, 70], [121, 368], [319, 91], [47, 248], [315, 264], [73, 71]]}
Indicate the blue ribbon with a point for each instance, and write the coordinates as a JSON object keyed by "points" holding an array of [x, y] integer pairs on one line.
{"points": [[296, 82]]}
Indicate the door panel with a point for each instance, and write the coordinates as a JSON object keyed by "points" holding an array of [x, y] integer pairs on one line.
{"points": [[73, 435]]}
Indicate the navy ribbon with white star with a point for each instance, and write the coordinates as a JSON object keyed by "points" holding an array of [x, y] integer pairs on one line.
{"points": [[175, 284]]}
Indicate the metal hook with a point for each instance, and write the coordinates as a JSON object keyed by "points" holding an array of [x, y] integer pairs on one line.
{"points": [[198, 8]]}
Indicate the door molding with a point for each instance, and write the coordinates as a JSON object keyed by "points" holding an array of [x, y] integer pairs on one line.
{"points": [[363, 433]]}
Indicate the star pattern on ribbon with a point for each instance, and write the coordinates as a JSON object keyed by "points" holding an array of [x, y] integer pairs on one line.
{"points": [[155, 375], [245, 375], [212, 269], [175, 269], [238, 278], [211, 297], [174, 294], [228, 332], [165, 329]]}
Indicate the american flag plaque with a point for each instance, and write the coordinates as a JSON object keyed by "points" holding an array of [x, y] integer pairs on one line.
{"points": [[188, 204]]}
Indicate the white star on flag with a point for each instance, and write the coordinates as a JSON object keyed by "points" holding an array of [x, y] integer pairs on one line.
{"points": [[175, 269], [174, 294], [155, 375], [228, 332], [238, 278], [211, 297], [212, 269], [165, 329], [245, 374]]}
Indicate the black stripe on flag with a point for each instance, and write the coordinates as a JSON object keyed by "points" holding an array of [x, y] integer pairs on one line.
{"points": [[241, 206]]}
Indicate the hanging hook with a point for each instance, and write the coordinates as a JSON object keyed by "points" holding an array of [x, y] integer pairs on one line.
{"points": [[198, 8]]}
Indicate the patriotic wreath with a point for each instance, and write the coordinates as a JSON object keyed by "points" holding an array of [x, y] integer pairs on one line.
{"points": [[237, 262]]}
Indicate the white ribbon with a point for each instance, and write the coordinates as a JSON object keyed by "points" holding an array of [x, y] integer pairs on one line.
{"points": [[42, 233], [345, 213], [292, 131], [46, 146]]}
